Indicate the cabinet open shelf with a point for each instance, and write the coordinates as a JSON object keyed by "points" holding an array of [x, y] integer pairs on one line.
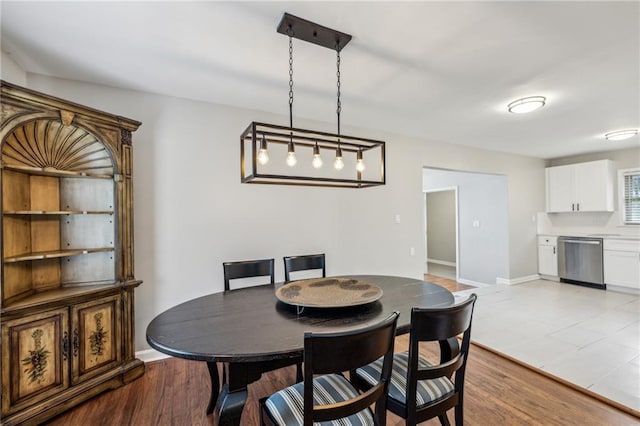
{"points": [[47, 171], [62, 295], [56, 212], [51, 254]]}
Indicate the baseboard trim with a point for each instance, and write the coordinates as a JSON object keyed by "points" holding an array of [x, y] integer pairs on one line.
{"points": [[473, 283], [621, 289], [441, 262], [519, 280], [149, 355], [549, 278]]}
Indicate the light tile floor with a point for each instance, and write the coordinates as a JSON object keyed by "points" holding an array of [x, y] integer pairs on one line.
{"points": [[586, 336]]}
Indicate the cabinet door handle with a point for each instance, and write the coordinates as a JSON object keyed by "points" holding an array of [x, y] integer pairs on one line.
{"points": [[578, 207], [554, 250], [76, 342], [65, 346], [573, 207]]}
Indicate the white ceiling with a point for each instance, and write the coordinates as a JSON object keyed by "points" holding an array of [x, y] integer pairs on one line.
{"points": [[441, 71]]}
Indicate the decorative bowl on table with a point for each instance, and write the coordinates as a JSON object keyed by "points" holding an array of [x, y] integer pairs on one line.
{"points": [[328, 293]]}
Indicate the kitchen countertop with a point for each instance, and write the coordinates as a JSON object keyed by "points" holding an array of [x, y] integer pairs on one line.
{"points": [[603, 236]]}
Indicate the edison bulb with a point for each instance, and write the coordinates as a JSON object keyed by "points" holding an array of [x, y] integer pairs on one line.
{"points": [[360, 165], [263, 157], [338, 164], [291, 159], [317, 161]]}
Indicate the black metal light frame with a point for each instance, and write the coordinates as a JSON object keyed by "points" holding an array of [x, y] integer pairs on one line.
{"points": [[251, 138], [274, 134]]}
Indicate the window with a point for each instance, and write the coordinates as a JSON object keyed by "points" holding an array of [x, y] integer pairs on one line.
{"points": [[629, 182]]}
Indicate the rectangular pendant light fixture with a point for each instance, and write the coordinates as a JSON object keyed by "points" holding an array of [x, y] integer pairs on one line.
{"points": [[276, 171], [281, 155]]}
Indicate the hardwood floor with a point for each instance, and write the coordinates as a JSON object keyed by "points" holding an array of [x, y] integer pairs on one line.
{"points": [[498, 391], [450, 285]]}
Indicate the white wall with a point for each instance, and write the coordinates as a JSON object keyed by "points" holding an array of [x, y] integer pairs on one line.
{"points": [[483, 251], [624, 158], [12, 72], [192, 213], [526, 193]]}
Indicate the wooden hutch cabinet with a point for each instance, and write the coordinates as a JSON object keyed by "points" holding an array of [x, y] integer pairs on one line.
{"points": [[67, 289]]}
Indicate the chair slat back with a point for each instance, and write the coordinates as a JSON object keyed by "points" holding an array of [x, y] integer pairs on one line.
{"points": [[442, 325], [248, 269], [327, 353], [430, 324], [301, 263]]}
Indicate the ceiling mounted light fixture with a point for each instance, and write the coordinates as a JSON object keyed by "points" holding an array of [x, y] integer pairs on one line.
{"points": [[255, 167], [621, 135], [528, 104]]}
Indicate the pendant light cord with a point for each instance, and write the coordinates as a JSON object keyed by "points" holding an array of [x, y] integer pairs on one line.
{"points": [[339, 105], [290, 77]]}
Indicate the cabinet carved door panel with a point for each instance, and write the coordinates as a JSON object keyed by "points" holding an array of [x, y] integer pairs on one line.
{"points": [[96, 337], [37, 351]]}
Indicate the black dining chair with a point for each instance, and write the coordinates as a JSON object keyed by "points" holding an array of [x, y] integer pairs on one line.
{"points": [[238, 270], [303, 263], [419, 390], [248, 269], [329, 395]]}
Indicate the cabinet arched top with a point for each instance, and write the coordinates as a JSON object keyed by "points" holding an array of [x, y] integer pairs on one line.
{"points": [[43, 134], [54, 147]]}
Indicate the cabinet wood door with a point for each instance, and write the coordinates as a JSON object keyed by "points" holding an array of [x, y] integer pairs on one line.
{"points": [[594, 187], [622, 268], [560, 189], [35, 364], [547, 260], [96, 337]]}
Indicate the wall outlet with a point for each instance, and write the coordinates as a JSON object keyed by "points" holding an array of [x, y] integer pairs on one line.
{"points": [[476, 224], [412, 251], [396, 218]]}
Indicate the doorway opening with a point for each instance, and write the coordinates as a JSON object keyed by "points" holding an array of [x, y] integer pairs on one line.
{"points": [[441, 232]]}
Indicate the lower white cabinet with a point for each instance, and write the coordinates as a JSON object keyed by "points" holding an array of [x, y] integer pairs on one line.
{"points": [[622, 263], [548, 255]]}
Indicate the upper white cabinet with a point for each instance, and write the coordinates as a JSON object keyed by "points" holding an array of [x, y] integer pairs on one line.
{"points": [[582, 187]]}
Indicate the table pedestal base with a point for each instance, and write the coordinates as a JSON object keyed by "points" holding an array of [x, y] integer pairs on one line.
{"points": [[230, 406], [231, 400]]}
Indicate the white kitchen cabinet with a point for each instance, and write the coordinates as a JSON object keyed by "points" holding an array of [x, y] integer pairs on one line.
{"points": [[622, 263], [548, 255], [581, 187]]}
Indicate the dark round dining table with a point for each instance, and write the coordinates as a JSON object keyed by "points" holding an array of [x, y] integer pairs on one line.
{"points": [[251, 330]]}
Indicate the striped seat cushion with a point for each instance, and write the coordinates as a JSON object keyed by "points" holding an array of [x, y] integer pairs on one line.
{"points": [[286, 406], [427, 390]]}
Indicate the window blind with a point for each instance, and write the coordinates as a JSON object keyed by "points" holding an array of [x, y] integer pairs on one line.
{"points": [[632, 197]]}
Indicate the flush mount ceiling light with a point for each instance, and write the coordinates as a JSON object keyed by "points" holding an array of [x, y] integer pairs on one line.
{"points": [[621, 135], [529, 104], [262, 144]]}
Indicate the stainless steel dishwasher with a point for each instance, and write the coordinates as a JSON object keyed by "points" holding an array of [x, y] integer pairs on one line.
{"points": [[580, 261]]}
